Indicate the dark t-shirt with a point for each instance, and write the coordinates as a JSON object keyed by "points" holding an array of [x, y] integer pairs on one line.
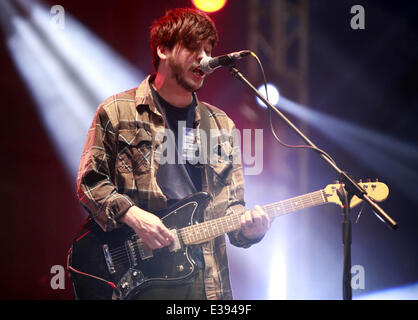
{"points": [[182, 178]]}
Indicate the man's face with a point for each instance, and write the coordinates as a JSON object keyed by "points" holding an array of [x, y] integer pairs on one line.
{"points": [[184, 65]]}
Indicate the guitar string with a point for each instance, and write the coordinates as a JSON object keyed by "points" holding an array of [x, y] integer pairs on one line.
{"points": [[207, 231], [121, 249], [224, 224], [209, 228], [188, 232], [304, 199], [123, 246], [123, 256], [284, 208], [287, 204], [117, 249], [119, 254]]}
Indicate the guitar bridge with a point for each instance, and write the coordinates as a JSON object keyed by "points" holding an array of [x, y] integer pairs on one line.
{"points": [[108, 259]]}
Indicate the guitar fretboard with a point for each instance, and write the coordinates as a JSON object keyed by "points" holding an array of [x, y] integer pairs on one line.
{"points": [[205, 231]]}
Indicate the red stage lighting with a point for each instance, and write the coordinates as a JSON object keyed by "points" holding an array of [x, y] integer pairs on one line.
{"points": [[209, 5]]}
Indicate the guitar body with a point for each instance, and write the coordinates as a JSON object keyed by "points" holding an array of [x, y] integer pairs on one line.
{"points": [[121, 258]]}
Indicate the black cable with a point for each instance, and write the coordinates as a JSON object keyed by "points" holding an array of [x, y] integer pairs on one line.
{"points": [[271, 121]]}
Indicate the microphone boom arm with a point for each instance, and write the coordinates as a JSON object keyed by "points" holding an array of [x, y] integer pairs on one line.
{"points": [[350, 184]]}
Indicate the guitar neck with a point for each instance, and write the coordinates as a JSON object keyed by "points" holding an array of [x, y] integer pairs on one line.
{"points": [[208, 230]]}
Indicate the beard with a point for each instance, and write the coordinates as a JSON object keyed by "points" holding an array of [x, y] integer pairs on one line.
{"points": [[178, 72]]}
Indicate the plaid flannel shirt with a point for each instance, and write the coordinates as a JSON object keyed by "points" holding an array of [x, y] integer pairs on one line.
{"points": [[118, 170]]}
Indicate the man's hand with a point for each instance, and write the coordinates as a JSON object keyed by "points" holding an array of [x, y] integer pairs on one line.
{"points": [[148, 227], [255, 223]]}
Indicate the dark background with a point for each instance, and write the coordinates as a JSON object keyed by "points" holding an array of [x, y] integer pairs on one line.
{"points": [[364, 77]]}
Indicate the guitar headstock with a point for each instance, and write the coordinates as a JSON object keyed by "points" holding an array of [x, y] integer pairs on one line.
{"points": [[378, 191]]}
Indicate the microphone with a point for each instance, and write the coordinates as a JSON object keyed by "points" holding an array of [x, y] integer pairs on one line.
{"points": [[208, 64]]}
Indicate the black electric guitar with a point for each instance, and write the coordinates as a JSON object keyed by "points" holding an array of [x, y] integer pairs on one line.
{"points": [[117, 264]]}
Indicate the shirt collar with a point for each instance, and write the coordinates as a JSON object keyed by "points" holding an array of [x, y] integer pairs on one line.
{"points": [[143, 97]]}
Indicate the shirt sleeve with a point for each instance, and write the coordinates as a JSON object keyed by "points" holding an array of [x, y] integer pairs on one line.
{"points": [[236, 203], [95, 188]]}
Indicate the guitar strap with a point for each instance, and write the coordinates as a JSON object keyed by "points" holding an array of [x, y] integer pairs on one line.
{"points": [[205, 126]]}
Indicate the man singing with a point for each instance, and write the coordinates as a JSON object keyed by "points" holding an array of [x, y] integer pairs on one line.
{"points": [[121, 180]]}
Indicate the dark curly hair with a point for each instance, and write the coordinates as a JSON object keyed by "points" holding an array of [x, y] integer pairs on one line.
{"points": [[185, 26]]}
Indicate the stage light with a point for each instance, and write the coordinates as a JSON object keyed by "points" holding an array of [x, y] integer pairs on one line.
{"points": [[388, 156], [209, 5], [408, 292], [273, 94], [277, 283], [67, 70]]}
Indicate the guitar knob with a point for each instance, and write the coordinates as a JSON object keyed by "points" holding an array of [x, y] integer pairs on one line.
{"points": [[125, 286], [360, 181], [369, 180], [180, 268], [377, 180]]}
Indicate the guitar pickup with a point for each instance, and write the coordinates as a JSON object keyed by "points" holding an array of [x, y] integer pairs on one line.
{"points": [[145, 252], [131, 252], [175, 244]]}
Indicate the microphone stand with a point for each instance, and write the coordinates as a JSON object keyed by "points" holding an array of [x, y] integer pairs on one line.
{"points": [[345, 193], [345, 198]]}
